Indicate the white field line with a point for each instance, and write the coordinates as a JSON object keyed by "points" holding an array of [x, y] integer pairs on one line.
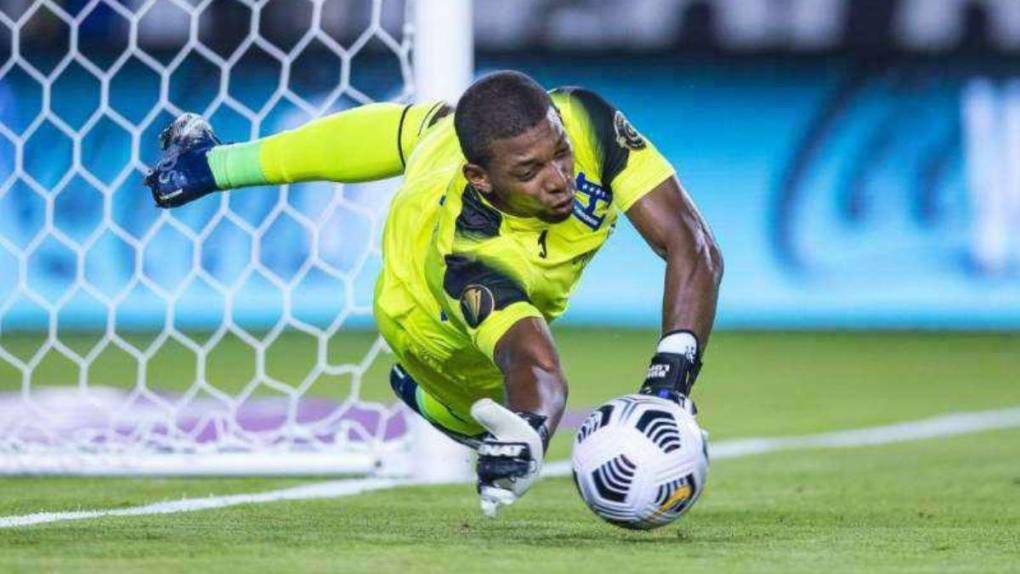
{"points": [[330, 489], [940, 426]]}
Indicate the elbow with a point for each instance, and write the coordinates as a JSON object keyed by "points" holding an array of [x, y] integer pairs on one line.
{"points": [[552, 389], [564, 391], [709, 256], [555, 388], [702, 256], [552, 385], [713, 261]]}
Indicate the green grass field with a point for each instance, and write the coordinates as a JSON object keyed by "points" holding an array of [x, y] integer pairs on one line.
{"points": [[938, 505]]}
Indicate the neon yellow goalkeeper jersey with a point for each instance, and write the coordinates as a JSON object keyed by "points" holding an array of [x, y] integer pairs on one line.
{"points": [[458, 273]]}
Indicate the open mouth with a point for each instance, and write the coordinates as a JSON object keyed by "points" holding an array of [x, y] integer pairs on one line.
{"points": [[563, 206]]}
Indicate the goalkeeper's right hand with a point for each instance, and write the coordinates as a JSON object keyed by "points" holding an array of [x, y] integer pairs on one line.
{"points": [[183, 174], [510, 456]]}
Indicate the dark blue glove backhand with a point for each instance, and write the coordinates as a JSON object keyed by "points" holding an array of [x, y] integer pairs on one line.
{"points": [[674, 368], [182, 174]]}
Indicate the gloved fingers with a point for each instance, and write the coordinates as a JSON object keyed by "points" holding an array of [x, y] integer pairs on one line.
{"points": [[151, 179], [152, 182], [493, 498], [164, 137]]}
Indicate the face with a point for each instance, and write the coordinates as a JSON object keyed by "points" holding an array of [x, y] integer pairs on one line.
{"points": [[530, 175]]}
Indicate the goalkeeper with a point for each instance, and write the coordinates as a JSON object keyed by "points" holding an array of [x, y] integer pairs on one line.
{"points": [[503, 204]]}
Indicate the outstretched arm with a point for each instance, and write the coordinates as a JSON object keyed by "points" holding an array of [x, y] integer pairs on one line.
{"points": [[510, 457], [361, 144], [365, 143], [671, 224]]}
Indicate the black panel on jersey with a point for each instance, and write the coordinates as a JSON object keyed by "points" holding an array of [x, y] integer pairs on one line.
{"points": [[443, 111], [476, 219], [479, 288], [602, 115]]}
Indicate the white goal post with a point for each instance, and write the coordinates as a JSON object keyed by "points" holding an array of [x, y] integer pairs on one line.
{"points": [[232, 337]]}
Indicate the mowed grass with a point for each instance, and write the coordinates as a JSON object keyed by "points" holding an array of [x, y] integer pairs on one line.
{"points": [[936, 506], [941, 505]]}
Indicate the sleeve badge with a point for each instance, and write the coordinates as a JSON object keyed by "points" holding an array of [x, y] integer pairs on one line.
{"points": [[476, 303], [626, 136]]}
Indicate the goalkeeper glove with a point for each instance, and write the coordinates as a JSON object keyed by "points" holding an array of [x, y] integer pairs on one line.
{"points": [[183, 174], [510, 456], [674, 369]]}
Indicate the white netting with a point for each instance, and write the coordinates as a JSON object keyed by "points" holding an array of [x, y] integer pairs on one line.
{"points": [[135, 340]]}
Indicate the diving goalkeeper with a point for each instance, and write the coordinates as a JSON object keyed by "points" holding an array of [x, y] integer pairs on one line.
{"points": [[504, 202]]}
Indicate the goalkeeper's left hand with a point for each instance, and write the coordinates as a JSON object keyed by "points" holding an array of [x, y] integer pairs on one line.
{"points": [[510, 457], [183, 174]]}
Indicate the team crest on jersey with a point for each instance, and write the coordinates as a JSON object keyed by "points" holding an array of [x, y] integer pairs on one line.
{"points": [[476, 303], [626, 136], [591, 202]]}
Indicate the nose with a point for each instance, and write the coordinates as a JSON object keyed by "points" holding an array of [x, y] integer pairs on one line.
{"points": [[559, 181]]}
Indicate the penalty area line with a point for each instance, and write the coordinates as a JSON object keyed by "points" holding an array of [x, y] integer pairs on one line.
{"points": [[935, 427]]}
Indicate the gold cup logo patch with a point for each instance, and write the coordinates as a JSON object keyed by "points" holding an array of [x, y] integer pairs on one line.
{"points": [[476, 303]]}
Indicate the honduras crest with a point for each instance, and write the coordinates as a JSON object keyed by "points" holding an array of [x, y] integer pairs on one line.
{"points": [[591, 202]]}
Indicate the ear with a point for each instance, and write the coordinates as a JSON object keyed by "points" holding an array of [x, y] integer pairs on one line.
{"points": [[478, 177]]}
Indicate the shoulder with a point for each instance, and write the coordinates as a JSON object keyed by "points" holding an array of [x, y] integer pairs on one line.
{"points": [[417, 119], [590, 101], [608, 123], [435, 145], [594, 122]]}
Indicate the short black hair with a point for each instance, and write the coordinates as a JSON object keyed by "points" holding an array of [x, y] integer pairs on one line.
{"points": [[500, 105]]}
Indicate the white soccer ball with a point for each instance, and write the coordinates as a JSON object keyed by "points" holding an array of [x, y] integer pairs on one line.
{"points": [[640, 461]]}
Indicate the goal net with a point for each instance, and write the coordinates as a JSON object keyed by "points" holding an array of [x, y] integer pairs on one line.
{"points": [[232, 336]]}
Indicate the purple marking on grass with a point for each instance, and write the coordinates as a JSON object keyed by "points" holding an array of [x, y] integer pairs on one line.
{"points": [[107, 416]]}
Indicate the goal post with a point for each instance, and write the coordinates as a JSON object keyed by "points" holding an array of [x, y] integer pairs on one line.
{"points": [[233, 336], [443, 66]]}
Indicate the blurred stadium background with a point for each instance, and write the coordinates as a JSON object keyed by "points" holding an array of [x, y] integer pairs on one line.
{"points": [[856, 159], [851, 156]]}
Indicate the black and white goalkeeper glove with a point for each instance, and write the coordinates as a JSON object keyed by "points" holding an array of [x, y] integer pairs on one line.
{"points": [[183, 174], [510, 456], [674, 369]]}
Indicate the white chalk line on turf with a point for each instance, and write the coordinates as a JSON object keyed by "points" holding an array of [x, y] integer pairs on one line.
{"points": [[330, 489], [940, 426], [935, 427]]}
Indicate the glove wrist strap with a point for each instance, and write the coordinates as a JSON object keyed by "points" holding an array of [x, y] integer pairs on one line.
{"points": [[675, 366], [537, 422]]}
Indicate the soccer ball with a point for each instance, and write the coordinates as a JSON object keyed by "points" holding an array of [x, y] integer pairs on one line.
{"points": [[640, 461]]}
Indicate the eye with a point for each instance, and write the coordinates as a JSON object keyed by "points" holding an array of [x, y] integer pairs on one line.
{"points": [[563, 152], [527, 176]]}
